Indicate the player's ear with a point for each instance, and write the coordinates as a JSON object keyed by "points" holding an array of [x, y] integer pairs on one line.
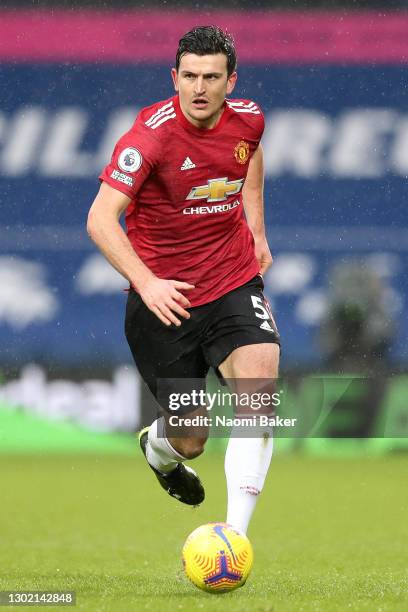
{"points": [[232, 79], [174, 76]]}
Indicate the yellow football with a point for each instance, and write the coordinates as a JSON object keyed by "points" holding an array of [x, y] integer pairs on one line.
{"points": [[217, 557]]}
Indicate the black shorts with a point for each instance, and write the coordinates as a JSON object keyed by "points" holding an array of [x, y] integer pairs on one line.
{"points": [[214, 330]]}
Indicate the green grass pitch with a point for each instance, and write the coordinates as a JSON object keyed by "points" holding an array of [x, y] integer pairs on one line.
{"points": [[328, 534]]}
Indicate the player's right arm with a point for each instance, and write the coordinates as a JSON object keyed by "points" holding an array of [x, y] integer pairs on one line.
{"points": [[162, 297]]}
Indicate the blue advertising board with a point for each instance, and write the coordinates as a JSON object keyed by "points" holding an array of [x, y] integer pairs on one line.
{"points": [[336, 163]]}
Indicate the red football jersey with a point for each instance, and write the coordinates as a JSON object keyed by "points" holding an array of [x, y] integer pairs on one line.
{"points": [[186, 220]]}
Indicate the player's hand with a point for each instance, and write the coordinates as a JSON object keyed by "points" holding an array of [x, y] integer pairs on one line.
{"points": [[263, 254], [165, 300]]}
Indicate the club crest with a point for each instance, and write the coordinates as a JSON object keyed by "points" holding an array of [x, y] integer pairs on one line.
{"points": [[241, 152]]}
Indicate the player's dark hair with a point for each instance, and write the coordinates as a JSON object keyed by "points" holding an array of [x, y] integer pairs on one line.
{"points": [[208, 40]]}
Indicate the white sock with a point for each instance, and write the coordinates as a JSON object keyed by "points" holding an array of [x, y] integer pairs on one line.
{"points": [[247, 462], [159, 452]]}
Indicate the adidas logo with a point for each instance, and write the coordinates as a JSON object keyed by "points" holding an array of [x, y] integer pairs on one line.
{"points": [[187, 164], [265, 325]]}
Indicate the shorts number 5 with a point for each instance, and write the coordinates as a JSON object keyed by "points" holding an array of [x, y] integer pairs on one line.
{"points": [[259, 307]]}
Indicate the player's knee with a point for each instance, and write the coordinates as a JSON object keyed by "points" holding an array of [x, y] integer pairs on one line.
{"points": [[255, 361], [246, 370]]}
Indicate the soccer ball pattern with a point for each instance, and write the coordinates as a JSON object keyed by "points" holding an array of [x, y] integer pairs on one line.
{"points": [[217, 557]]}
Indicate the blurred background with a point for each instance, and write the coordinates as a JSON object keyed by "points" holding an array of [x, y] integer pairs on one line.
{"points": [[331, 78]]}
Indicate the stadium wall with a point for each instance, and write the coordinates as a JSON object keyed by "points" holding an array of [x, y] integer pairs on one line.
{"points": [[332, 88]]}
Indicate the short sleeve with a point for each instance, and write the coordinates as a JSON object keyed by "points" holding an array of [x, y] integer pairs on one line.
{"points": [[258, 121], [134, 157], [261, 124], [250, 115]]}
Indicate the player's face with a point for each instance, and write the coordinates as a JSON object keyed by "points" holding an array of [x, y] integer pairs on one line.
{"points": [[202, 83]]}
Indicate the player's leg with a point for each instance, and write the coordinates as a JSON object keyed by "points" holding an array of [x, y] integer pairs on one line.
{"points": [[171, 441], [168, 443], [180, 481], [167, 446], [243, 344], [189, 432], [249, 454], [164, 357]]}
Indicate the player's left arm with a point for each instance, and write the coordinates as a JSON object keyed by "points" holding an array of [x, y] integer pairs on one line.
{"points": [[252, 196]]}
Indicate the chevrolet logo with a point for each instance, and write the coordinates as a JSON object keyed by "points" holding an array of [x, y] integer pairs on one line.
{"points": [[216, 190]]}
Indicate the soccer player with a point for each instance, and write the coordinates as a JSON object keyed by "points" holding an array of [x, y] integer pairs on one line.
{"points": [[189, 175]]}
